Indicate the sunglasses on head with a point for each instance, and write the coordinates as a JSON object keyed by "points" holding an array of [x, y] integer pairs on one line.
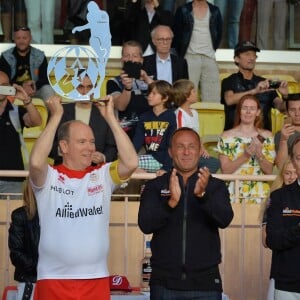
{"points": [[23, 28]]}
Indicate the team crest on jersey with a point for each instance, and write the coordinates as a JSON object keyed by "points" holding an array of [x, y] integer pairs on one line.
{"points": [[165, 193], [61, 178], [94, 177]]}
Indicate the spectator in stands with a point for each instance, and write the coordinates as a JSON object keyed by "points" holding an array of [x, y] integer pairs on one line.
{"points": [[231, 11], [88, 113], [247, 149], [246, 20], [163, 65], [286, 176], [264, 17], [12, 11], [197, 35], [184, 94], [184, 210], [154, 129], [40, 17], [245, 82], [73, 201], [23, 240], [26, 65], [139, 23], [130, 94], [290, 129], [283, 234], [12, 121]]}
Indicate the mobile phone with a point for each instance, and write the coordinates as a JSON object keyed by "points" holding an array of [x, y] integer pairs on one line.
{"points": [[7, 90], [261, 138], [132, 69], [274, 84], [287, 120]]}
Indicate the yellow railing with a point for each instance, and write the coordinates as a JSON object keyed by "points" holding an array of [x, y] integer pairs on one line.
{"points": [[245, 266]]}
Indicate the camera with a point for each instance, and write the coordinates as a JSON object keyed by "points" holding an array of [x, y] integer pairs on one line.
{"points": [[274, 84], [7, 90], [132, 69]]}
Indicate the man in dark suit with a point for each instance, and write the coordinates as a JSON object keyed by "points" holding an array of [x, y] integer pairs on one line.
{"points": [[163, 65]]}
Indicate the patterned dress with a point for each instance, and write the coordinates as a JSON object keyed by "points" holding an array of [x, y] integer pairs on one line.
{"points": [[250, 191]]}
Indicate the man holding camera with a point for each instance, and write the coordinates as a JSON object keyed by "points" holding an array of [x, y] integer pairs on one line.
{"points": [[129, 90], [246, 82], [12, 121]]}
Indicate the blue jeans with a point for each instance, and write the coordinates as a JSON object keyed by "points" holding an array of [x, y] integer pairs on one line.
{"points": [[231, 10], [160, 293]]}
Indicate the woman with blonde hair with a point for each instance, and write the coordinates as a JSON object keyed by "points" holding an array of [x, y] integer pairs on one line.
{"points": [[286, 176], [23, 239], [247, 149]]}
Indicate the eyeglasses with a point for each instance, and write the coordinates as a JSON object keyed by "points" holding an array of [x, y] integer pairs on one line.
{"points": [[23, 28], [249, 108], [164, 40]]}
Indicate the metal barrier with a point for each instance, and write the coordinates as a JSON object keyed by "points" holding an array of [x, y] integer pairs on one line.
{"points": [[245, 266]]}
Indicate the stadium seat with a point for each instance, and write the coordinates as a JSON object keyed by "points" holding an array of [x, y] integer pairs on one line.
{"points": [[211, 118], [277, 119]]}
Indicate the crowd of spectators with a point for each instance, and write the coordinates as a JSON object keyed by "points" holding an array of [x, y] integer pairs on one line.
{"points": [[52, 22]]}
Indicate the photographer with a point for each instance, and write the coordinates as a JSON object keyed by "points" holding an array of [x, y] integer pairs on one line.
{"points": [[129, 90]]}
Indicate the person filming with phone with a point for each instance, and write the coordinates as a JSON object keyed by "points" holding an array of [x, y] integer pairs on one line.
{"points": [[129, 89], [290, 129], [246, 82], [13, 119], [247, 149]]}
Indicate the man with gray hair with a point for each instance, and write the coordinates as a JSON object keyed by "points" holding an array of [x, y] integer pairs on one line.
{"points": [[163, 65]]}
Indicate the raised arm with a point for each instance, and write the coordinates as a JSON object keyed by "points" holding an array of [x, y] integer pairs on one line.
{"points": [[128, 160], [38, 163]]}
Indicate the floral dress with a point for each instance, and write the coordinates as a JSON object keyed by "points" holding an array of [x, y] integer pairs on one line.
{"points": [[250, 191]]}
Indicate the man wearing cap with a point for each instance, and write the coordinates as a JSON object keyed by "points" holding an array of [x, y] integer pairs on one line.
{"points": [[246, 82], [289, 131]]}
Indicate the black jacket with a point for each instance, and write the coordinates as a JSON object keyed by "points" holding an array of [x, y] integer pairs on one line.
{"points": [[23, 240], [283, 237], [184, 23], [137, 23], [185, 241], [179, 67]]}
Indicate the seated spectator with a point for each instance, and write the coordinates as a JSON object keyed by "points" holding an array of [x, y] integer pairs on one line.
{"points": [[154, 129], [23, 241], [13, 119], [247, 149], [85, 111], [140, 22], [26, 65], [245, 82], [130, 94], [289, 131], [286, 176], [197, 35], [184, 94], [163, 65], [40, 17]]}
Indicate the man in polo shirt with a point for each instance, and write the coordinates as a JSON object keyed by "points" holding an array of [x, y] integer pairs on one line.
{"points": [[246, 82]]}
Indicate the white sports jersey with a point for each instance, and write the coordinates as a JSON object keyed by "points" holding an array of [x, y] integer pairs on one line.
{"points": [[183, 119], [74, 209]]}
